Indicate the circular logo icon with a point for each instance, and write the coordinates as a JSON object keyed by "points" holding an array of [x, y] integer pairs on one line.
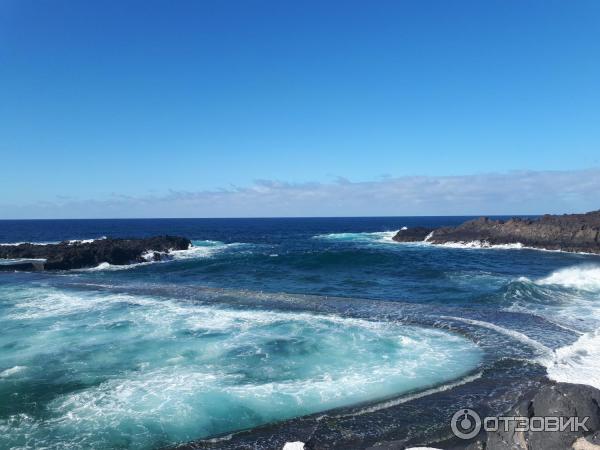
{"points": [[465, 424]]}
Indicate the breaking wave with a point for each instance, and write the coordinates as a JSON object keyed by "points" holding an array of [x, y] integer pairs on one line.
{"points": [[481, 244], [583, 277], [569, 298], [579, 362], [70, 241], [367, 237], [198, 250]]}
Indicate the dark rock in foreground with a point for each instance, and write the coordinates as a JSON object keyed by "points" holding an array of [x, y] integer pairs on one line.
{"points": [[559, 400], [575, 402], [83, 254], [569, 232]]}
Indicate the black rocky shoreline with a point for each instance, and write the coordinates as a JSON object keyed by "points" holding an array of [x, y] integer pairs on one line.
{"points": [[568, 232], [69, 255]]}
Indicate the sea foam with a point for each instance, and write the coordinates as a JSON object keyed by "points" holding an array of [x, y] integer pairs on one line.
{"points": [[584, 277], [198, 250], [580, 361], [12, 371], [184, 370], [366, 237]]}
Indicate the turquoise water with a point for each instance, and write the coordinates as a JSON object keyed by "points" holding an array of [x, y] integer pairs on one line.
{"points": [[106, 370], [265, 320]]}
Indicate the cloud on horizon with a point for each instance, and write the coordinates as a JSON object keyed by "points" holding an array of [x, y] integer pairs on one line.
{"points": [[517, 192]]}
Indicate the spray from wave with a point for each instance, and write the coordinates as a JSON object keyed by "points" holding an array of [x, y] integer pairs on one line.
{"points": [[382, 237], [585, 277], [580, 361], [198, 250], [481, 245]]}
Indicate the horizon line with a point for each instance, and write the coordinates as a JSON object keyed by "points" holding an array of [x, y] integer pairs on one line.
{"points": [[285, 217]]}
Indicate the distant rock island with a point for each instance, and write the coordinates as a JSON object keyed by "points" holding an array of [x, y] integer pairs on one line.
{"points": [[568, 232], [83, 254]]}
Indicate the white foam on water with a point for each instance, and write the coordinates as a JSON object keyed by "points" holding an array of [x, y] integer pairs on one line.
{"points": [[296, 445], [35, 304], [570, 299], [179, 396], [12, 371], [584, 277], [205, 249], [199, 370], [408, 398], [108, 266], [86, 241], [466, 245], [198, 250], [521, 337], [104, 266], [367, 237], [20, 260], [149, 255], [481, 245], [519, 308], [579, 362], [70, 241]]}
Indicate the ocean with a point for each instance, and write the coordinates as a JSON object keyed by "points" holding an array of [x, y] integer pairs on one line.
{"points": [[264, 321]]}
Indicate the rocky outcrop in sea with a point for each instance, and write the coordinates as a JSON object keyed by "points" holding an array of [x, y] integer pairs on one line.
{"points": [[84, 254], [569, 232]]}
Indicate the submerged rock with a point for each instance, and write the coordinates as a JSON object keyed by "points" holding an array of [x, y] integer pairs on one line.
{"points": [[569, 232], [83, 254]]}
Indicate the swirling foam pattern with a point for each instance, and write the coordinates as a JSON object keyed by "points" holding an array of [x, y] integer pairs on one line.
{"points": [[98, 370]]}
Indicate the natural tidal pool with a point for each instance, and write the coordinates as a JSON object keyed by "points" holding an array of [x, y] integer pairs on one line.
{"points": [[95, 369]]}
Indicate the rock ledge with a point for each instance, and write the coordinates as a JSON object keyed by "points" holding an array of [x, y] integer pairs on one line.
{"points": [[84, 254]]}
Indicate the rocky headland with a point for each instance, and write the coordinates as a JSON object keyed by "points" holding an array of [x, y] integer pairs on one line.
{"points": [[569, 232], [84, 254]]}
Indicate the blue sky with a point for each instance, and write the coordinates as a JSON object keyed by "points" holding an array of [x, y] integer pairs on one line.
{"points": [[112, 108]]}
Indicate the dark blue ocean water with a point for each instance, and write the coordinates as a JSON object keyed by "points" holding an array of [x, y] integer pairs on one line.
{"points": [[270, 319]]}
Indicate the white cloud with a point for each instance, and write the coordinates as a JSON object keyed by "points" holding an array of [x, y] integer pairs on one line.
{"points": [[518, 192]]}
